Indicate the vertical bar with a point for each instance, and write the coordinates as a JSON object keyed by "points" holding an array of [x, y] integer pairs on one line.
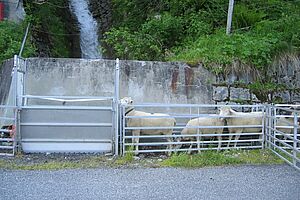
{"points": [[24, 40], [15, 96], [274, 126], [123, 129], [229, 16], [116, 101], [269, 125], [263, 126], [295, 139]]}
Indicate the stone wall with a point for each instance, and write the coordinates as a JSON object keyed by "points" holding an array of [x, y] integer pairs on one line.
{"points": [[284, 73]]}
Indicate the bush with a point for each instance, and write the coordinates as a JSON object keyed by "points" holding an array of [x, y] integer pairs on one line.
{"points": [[11, 36], [135, 46], [221, 50]]}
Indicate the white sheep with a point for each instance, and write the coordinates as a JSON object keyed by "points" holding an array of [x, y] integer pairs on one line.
{"points": [[148, 122], [234, 118], [213, 120], [285, 125]]}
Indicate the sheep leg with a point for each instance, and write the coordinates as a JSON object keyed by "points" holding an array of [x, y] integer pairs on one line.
{"points": [[198, 143], [229, 139], [220, 142], [136, 141], [191, 146], [237, 137], [169, 146]]}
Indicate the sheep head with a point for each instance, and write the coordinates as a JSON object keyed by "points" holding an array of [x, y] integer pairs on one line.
{"points": [[126, 101], [225, 111]]}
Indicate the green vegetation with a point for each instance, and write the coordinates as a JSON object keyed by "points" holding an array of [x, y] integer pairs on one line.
{"points": [[51, 26], [11, 36], [193, 31], [21, 163], [205, 159], [213, 158]]}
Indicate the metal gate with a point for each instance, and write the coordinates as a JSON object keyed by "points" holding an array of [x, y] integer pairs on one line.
{"points": [[283, 132], [47, 123], [63, 128], [200, 136]]}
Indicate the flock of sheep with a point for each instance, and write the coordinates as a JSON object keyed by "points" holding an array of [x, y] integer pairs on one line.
{"points": [[237, 123]]}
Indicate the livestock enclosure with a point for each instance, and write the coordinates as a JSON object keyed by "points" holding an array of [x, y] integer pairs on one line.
{"points": [[51, 110], [195, 141]]}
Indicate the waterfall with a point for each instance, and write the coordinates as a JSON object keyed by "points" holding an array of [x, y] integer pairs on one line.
{"points": [[89, 43]]}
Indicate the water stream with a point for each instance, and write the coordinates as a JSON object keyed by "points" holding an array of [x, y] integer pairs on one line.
{"points": [[89, 43]]}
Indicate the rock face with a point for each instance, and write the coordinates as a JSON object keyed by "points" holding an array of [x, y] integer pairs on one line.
{"points": [[42, 37], [102, 12]]}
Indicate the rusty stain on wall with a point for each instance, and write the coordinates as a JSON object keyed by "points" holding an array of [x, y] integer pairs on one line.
{"points": [[174, 79], [189, 77]]}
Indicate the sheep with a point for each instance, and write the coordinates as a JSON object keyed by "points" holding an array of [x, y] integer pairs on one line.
{"points": [[160, 121], [213, 120], [239, 119], [285, 125]]}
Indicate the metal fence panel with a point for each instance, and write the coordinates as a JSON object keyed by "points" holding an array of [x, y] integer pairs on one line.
{"points": [[202, 136], [283, 133]]}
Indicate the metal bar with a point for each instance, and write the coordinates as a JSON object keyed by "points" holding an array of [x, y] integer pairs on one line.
{"points": [[285, 144], [7, 154], [190, 127], [65, 98], [190, 142], [123, 129], [193, 149], [192, 135], [7, 118], [8, 107], [24, 40], [295, 142], [155, 105], [191, 116], [68, 140], [288, 154], [7, 139], [67, 108], [116, 100], [6, 147], [69, 124]]}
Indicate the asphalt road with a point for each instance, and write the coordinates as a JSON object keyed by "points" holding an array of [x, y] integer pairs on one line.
{"points": [[243, 182]]}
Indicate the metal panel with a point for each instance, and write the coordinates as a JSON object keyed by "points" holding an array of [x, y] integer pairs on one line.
{"points": [[66, 130], [182, 113], [45, 115], [284, 140]]}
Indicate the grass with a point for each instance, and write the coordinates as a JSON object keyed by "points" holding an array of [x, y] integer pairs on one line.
{"points": [[213, 158], [90, 162], [205, 159]]}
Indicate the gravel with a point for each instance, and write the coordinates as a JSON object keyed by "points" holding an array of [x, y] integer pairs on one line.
{"points": [[240, 182]]}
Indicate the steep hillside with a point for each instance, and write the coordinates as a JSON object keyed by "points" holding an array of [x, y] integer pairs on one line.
{"points": [[54, 29]]}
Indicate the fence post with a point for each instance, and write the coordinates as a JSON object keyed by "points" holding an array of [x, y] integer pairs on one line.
{"points": [[116, 106]]}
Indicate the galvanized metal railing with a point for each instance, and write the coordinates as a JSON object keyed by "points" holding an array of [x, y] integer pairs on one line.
{"points": [[283, 136], [183, 113]]}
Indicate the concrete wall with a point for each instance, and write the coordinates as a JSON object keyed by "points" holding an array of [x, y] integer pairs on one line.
{"points": [[5, 80], [158, 82]]}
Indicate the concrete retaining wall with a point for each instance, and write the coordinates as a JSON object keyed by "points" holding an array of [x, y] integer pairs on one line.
{"points": [[157, 82]]}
